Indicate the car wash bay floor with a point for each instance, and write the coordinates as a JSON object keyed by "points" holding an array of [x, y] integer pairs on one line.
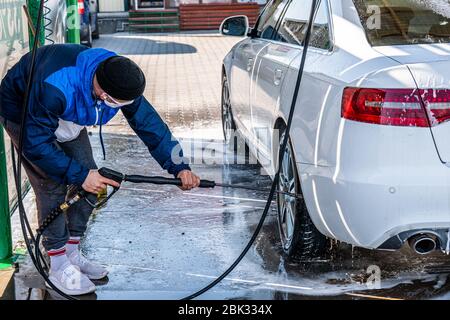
{"points": [[159, 242]]}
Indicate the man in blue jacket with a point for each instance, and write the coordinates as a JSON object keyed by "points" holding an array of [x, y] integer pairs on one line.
{"points": [[75, 87]]}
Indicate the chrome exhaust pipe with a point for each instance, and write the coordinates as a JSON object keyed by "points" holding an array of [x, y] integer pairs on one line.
{"points": [[423, 243]]}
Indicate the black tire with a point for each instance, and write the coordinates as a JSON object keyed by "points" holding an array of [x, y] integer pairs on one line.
{"points": [[300, 239], [96, 34], [89, 43]]}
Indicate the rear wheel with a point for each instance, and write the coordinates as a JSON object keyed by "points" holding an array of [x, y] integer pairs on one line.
{"points": [[299, 237], [228, 124]]}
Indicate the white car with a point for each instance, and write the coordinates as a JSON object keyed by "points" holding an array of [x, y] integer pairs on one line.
{"points": [[370, 144]]}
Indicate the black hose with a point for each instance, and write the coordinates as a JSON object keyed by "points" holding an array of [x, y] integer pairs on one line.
{"points": [[36, 256], [277, 175], [27, 185], [18, 169], [26, 229], [100, 132]]}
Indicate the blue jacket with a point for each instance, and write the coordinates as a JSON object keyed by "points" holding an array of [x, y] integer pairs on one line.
{"points": [[63, 89]]}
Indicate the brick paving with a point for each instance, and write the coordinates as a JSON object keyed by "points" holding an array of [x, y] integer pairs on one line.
{"points": [[183, 73]]}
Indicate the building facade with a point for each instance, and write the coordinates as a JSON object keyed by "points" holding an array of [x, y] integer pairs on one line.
{"points": [[171, 15], [125, 5]]}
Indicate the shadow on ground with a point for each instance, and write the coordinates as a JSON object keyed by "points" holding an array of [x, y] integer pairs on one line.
{"points": [[141, 46]]}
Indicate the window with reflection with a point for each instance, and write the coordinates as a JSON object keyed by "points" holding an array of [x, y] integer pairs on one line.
{"points": [[295, 23], [269, 19]]}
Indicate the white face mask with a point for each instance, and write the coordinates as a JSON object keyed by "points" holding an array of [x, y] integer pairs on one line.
{"points": [[116, 104]]}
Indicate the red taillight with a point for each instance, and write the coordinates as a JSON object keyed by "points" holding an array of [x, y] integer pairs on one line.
{"points": [[80, 6], [437, 103], [393, 107]]}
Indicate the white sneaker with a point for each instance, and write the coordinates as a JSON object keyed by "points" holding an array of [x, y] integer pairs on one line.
{"points": [[69, 279], [92, 270]]}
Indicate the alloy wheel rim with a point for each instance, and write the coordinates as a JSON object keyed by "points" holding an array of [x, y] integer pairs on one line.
{"points": [[287, 205], [226, 113]]}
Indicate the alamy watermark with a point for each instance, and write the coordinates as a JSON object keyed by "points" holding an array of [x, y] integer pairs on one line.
{"points": [[374, 20], [374, 279]]}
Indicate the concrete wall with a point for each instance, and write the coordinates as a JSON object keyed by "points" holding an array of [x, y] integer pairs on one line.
{"points": [[111, 22], [111, 5]]}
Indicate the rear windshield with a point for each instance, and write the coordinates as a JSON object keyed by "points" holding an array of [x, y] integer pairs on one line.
{"points": [[397, 22]]}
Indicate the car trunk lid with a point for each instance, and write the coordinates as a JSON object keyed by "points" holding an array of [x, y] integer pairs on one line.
{"points": [[429, 66]]}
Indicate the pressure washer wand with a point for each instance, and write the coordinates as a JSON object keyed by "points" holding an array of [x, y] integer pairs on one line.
{"points": [[164, 181], [120, 177]]}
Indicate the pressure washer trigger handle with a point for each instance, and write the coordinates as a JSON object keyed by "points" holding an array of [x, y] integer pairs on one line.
{"points": [[111, 174]]}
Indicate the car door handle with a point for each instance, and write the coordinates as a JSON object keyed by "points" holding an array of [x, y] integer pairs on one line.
{"points": [[277, 77], [249, 64]]}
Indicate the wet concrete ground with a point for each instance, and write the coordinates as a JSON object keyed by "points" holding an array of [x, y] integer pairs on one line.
{"points": [[162, 243]]}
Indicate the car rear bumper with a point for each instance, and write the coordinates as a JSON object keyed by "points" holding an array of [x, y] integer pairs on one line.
{"points": [[387, 185]]}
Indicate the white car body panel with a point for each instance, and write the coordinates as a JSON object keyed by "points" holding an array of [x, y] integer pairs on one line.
{"points": [[268, 79], [363, 184], [429, 65], [385, 188]]}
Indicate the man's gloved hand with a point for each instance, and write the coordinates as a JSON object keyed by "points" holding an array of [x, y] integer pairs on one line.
{"points": [[96, 183], [189, 180]]}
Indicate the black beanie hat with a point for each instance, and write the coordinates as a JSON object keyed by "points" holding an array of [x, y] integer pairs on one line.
{"points": [[121, 78]]}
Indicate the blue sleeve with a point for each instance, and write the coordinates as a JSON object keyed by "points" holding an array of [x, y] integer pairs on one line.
{"points": [[46, 106], [155, 133]]}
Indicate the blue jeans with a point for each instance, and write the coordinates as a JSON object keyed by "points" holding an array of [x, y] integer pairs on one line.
{"points": [[50, 194]]}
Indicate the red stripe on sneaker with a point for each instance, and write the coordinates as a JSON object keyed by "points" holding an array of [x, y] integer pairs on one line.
{"points": [[58, 252], [73, 242]]}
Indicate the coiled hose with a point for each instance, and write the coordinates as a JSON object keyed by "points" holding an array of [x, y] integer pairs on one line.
{"points": [[48, 22]]}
